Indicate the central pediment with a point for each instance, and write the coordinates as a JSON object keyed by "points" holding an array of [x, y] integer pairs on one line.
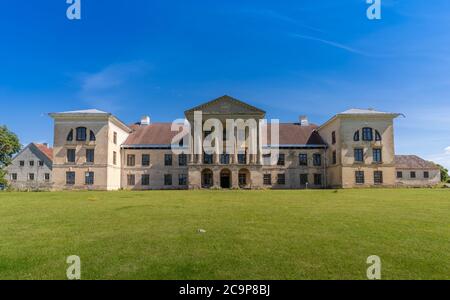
{"points": [[226, 105]]}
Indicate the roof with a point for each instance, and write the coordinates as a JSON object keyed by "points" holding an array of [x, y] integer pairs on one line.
{"points": [[357, 111], [291, 134], [45, 150], [222, 99], [413, 162], [85, 111]]}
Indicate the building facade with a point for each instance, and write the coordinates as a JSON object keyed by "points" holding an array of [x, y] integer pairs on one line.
{"points": [[95, 150]]}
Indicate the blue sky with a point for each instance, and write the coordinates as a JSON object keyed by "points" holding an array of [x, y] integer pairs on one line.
{"points": [[287, 57]]}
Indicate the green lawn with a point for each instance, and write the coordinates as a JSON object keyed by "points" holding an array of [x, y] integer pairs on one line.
{"points": [[249, 234]]}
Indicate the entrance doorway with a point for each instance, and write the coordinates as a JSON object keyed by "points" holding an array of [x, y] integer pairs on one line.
{"points": [[225, 179], [207, 178]]}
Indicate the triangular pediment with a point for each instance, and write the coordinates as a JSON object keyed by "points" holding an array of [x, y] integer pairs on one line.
{"points": [[226, 105]]}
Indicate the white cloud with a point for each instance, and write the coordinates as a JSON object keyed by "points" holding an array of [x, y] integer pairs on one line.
{"points": [[442, 158], [447, 150]]}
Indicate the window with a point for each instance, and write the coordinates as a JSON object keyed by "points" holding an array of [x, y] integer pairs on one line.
{"points": [[426, 174], [359, 155], [90, 156], [70, 178], [168, 179], [281, 179], [413, 175], [377, 158], [31, 176], [131, 160], [81, 133], [242, 159], [318, 179], [367, 134], [267, 179], [91, 136], [89, 178], [182, 159], [281, 161], [14, 176], [333, 137], [359, 177], [378, 177], [22, 163], [225, 159], [356, 136], [41, 163], [47, 177], [399, 174], [71, 155], [334, 158], [303, 179], [114, 158], [115, 138], [145, 160], [242, 178], [377, 136], [182, 179], [167, 159], [207, 159], [70, 136], [31, 163], [145, 179], [131, 179], [317, 159]]}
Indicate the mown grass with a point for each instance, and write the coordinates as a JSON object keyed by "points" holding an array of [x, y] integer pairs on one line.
{"points": [[249, 234]]}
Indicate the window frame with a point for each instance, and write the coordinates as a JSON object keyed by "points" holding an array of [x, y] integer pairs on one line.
{"points": [[182, 179], [281, 178], [131, 160], [131, 179], [267, 179], [360, 177], [90, 156], [81, 134], [168, 160], [356, 152], [378, 177], [317, 160], [302, 162], [89, 178], [145, 160], [333, 138], [377, 158], [281, 159], [367, 134], [70, 178], [145, 179], [182, 160], [168, 180], [71, 159]]}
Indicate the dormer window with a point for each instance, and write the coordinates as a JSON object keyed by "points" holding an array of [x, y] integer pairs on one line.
{"points": [[377, 136], [356, 136], [367, 134], [81, 134], [91, 136], [70, 136]]}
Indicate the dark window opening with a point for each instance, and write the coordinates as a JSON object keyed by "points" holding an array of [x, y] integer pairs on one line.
{"points": [[267, 179], [367, 134], [81, 134], [145, 160], [359, 177], [167, 159], [145, 179], [168, 179]]}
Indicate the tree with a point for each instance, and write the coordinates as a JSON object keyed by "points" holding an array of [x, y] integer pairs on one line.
{"points": [[444, 174], [9, 145]]}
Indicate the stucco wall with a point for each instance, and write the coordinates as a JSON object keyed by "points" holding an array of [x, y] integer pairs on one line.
{"points": [[420, 180]]}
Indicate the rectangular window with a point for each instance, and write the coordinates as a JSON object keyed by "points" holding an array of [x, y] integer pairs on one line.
{"points": [[359, 177], [359, 155], [225, 159], [89, 178], [378, 177], [367, 134], [413, 175], [145, 179], [167, 159], [399, 174], [281, 160], [114, 158], [377, 158], [281, 179], [70, 178], [90, 156], [426, 174], [47, 177], [334, 159], [70, 155], [14, 176], [22, 163], [303, 159], [267, 179], [182, 179], [41, 163], [81, 133], [317, 159], [242, 159], [131, 160], [115, 138], [303, 179], [318, 179], [242, 179], [207, 159], [131, 179], [333, 137], [31, 163], [182, 160], [145, 160], [168, 179], [266, 159]]}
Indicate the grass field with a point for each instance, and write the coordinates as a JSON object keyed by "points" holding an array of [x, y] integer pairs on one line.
{"points": [[249, 234]]}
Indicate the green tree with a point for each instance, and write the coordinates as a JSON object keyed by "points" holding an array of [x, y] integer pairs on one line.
{"points": [[9, 145], [444, 174]]}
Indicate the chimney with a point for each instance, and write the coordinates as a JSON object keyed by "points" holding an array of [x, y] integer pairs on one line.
{"points": [[304, 121], [45, 144], [145, 120]]}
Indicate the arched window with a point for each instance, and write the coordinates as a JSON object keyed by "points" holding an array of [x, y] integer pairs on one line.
{"points": [[367, 134], [70, 136], [91, 136], [81, 133], [356, 136], [377, 136]]}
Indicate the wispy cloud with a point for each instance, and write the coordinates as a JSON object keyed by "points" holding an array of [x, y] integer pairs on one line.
{"points": [[441, 158], [330, 43]]}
